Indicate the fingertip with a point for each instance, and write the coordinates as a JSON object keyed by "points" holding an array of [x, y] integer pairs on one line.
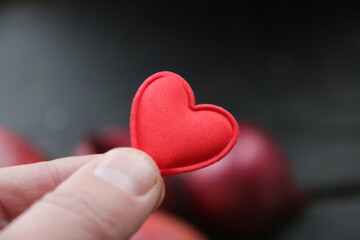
{"points": [[128, 169], [143, 180]]}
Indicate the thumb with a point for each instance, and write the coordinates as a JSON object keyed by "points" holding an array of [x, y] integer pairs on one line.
{"points": [[108, 198]]}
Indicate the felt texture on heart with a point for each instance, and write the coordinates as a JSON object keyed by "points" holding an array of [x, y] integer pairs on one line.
{"points": [[179, 135]]}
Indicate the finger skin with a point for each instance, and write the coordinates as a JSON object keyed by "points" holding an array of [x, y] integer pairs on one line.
{"points": [[85, 206], [22, 185]]}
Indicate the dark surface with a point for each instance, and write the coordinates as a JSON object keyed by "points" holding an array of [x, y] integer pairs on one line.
{"points": [[291, 68]]}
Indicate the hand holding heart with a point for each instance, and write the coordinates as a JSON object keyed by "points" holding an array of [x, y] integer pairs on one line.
{"points": [[119, 189]]}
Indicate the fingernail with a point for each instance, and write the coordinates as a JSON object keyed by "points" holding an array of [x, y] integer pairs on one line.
{"points": [[127, 169]]}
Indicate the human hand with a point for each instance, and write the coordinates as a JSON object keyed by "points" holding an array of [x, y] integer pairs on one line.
{"points": [[106, 196]]}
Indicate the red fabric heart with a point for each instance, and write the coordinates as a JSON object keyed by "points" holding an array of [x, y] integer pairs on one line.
{"points": [[179, 135]]}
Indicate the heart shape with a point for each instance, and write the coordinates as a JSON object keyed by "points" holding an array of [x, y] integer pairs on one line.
{"points": [[179, 135]]}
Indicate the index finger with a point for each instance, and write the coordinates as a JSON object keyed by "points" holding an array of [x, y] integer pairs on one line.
{"points": [[22, 185]]}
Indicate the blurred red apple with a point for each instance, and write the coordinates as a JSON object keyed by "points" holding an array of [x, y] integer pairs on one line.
{"points": [[103, 140], [165, 226], [170, 200], [248, 188], [16, 150]]}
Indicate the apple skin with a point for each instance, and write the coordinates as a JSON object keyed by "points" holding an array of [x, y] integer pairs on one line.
{"points": [[16, 150], [164, 226], [103, 140], [248, 188]]}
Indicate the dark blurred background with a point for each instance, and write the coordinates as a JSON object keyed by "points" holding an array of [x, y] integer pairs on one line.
{"points": [[293, 68]]}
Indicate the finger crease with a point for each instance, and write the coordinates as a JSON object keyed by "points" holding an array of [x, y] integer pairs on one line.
{"points": [[4, 216], [54, 175]]}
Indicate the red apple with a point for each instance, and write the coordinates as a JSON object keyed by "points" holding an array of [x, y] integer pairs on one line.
{"points": [[16, 150], [247, 189], [170, 200], [103, 140], [165, 226]]}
